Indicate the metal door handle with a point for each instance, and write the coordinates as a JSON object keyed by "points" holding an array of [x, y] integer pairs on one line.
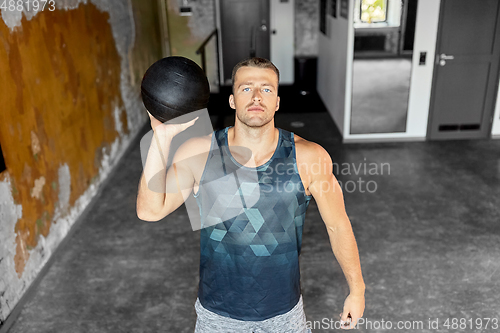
{"points": [[446, 57], [263, 27]]}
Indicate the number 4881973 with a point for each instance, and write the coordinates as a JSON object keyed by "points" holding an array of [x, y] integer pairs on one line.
{"points": [[28, 5]]}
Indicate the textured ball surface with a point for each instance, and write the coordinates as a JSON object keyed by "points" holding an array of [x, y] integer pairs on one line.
{"points": [[174, 86]]}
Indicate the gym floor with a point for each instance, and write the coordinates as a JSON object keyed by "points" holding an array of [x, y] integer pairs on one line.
{"points": [[426, 216]]}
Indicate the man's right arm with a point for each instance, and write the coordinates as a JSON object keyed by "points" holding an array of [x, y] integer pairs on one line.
{"points": [[162, 191]]}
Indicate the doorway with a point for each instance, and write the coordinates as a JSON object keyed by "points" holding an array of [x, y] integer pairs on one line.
{"points": [[244, 32], [384, 33], [466, 70]]}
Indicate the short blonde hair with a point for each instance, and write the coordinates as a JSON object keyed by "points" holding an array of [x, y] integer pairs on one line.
{"points": [[255, 62]]}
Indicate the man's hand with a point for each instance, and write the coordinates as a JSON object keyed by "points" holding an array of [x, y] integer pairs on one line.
{"points": [[164, 133], [354, 306], [168, 130]]}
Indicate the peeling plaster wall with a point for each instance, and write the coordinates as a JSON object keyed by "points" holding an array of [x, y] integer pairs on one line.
{"points": [[69, 80]]}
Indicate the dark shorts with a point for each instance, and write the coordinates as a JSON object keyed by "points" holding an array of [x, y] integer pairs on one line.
{"points": [[294, 321]]}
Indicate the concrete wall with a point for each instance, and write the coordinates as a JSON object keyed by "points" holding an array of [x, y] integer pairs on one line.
{"points": [[282, 42], [332, 66], [71, 105], [306, 27]]}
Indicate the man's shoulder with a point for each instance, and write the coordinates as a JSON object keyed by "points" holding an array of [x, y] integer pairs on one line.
{"points": [[311, 158], [308, 152], [308, 149]]}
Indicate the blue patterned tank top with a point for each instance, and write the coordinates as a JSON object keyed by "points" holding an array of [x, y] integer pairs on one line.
{"points": [[251, 232]]}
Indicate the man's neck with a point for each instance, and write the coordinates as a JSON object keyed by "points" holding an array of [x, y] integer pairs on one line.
{"points": [[261, 141]]}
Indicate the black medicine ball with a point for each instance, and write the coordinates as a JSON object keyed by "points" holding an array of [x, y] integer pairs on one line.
{"points": [[174, 86]]}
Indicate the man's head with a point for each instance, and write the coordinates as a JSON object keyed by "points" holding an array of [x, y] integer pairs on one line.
{"points": [[255, 92]]}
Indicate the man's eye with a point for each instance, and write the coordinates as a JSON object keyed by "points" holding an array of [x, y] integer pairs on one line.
{"points": [[246, 89], [267, 90]]}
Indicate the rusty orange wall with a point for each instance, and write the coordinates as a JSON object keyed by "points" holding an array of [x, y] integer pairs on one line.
{"points": [[63, 107], [60, 88]]}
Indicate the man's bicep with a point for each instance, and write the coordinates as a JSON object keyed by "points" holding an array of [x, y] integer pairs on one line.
{"points": [[330, 200], [174, 197], [188, 164], [179, 184], [179, 178]]}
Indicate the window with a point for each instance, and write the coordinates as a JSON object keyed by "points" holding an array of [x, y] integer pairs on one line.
{"points": [[372, 11], [2, 162]]}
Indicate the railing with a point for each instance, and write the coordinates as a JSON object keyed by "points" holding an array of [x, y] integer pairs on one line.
{"points": [[201, 50]]}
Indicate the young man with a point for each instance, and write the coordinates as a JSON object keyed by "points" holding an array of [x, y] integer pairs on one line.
{"points": [[253, 183]]}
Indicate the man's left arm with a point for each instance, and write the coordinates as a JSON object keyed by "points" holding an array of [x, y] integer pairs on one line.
{"points": [[328, 195]]}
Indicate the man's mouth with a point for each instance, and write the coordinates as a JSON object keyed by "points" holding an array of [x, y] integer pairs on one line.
{"points": [[255, 108]]}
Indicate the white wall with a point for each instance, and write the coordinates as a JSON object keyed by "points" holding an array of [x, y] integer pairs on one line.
{"points": [[421, 79], [495, 131], [282, 43], [394, 10], [332, 72]]}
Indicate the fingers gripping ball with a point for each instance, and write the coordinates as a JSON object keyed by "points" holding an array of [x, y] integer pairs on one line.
{"points": [[174, 86]]}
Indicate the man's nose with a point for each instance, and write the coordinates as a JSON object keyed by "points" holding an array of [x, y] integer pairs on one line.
{"points": [[256, 95]]}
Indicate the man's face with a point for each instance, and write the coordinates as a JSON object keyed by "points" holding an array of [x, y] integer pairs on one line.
{"points": [[255, 97]]}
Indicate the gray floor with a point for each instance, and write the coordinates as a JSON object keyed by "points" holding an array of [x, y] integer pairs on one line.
{"points": [[428, 234]]}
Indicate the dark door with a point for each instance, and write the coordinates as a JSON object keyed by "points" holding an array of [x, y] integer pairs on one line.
{"points": [[466, 70], [408, 24], [244, 32]]}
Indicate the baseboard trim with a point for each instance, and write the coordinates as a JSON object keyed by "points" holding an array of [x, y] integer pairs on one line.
{"points": [[375, 140]]}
